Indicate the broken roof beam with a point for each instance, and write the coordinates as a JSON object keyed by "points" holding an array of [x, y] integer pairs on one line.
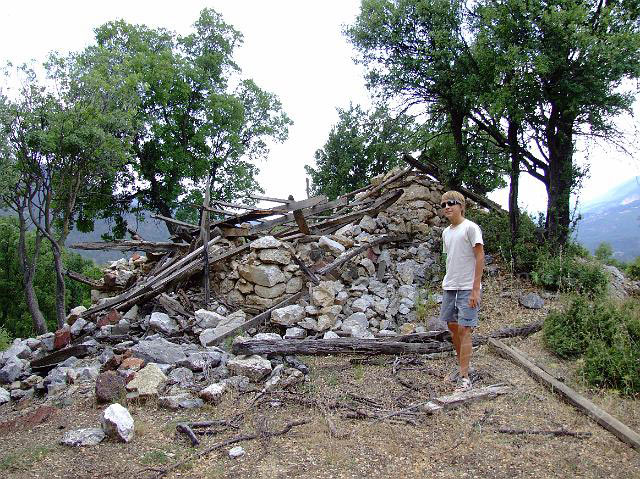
{"points": [[174, 221], [431, 169], [282, 209], [266, 198], [133, 245]]}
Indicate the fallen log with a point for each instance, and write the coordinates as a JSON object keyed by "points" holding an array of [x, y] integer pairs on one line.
{"points": [[606, 420], [93, 283], [334, 346], [455, 399]]}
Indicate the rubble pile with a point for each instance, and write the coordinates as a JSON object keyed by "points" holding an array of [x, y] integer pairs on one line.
{"points": [[352, 267]]}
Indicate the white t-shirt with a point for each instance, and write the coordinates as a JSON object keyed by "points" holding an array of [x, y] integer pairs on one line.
{"points": [[458, 242]]}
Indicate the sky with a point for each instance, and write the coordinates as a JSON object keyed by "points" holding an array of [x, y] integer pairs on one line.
{"points": [[293, 48]]}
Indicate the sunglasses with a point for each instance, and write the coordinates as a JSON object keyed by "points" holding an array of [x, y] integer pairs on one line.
{"points": [[444, 204]]}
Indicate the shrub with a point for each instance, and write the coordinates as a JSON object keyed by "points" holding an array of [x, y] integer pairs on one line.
{"points": [[606, 334], [566, 273], [633, 269], [5, 339]]}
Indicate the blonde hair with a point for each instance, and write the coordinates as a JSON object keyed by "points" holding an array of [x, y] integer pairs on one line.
{"points": [[455, 195]]}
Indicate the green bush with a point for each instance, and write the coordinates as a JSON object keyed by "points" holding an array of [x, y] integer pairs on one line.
{"points": [[606, 335], [566, 273], [5, 339], [633, 269]]}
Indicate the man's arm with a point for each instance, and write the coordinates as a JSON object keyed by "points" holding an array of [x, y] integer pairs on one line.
{"points": [[478, 252]]}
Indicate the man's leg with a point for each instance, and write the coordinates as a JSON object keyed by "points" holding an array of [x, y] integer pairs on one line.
{"points": [[455, 338], [466, 348]]}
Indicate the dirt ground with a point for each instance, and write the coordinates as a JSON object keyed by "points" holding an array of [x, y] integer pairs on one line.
{"points": [[461, 442]]}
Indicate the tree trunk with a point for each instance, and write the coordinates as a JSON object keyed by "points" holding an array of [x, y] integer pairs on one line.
{"points": [[561, 178], [514, 212], [28, 270], [61, 314], [456, 121]]}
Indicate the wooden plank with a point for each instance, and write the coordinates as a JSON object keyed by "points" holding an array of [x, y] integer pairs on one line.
{"points": [[266, 198], [302, 224], [606, 420], [132, 245], [172, 221], [388, 181], [335, 346], [95, 284], [256, 320], [204, 237], [453, 400]]}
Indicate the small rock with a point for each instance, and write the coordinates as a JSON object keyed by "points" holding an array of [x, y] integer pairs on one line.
{"points": [[5, 397], [180, 401], [207, 319], [163, 323], [213, 393], [331, 245], [254, 367], [147, 381], [295, 333], [265, 242], [109, 387], [330, 335], [236, 452], [91, 436], [78, 326], [531, 301], [62, 338], [159, 350], [288, 316], [118, 423]]}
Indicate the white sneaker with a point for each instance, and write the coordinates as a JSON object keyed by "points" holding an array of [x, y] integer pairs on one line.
{"points": [[464, 385]]}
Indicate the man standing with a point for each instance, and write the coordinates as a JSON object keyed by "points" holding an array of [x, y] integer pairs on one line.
{"points": [[462, 243]]}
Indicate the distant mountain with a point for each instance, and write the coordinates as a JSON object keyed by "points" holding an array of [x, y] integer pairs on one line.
{"points": [[148, 228], [613, 218]]}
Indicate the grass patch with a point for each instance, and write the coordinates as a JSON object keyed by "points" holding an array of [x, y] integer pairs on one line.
{"points": [[152, 458], [23, 459]]}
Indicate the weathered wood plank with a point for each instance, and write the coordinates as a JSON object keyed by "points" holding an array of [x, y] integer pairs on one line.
{"points": [[335, 346], [132, 245], [301, 222], [606, 420]]}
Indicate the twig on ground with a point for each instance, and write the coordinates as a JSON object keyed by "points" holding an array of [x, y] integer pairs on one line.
{"points": [[550, 432]]}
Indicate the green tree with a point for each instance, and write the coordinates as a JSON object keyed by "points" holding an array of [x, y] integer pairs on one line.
{"points": [[360, 146], [531, 75], [197, 119]]}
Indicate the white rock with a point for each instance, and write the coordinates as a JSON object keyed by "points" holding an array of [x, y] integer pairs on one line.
{"points": [[294, 285], [265, 242], [272, 292], [295, 333], [77, 326], [91, 436], [368, 265], [331, 245], [236, 452], [267, 336], [330, 335], [368, 224], [361, 333], [254, 367], [4, 396], [362, 304], [208, 319], [288, 316], [147, 381], [132, 314], [118, 423], [356, 320], [163, 323], [213, 393], [277, 256], [264, 275]]}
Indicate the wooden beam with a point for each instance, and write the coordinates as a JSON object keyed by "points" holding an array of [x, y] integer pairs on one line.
{"points": [[335, 346], [133, 245], [302, 224], [266, 198], [173, 221], [606, 420]]}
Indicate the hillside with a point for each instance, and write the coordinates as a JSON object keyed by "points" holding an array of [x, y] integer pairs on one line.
{"points": [[613, 218]]}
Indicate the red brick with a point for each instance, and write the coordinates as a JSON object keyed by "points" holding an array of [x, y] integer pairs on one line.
{"points": [[62, 338]]}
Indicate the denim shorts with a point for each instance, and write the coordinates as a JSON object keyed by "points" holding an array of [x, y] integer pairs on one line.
{"points": [[455, 308]]}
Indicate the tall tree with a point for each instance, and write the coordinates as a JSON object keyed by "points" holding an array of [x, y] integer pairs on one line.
{"points": [[197, 118], [360, 146], [531, 75]]}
